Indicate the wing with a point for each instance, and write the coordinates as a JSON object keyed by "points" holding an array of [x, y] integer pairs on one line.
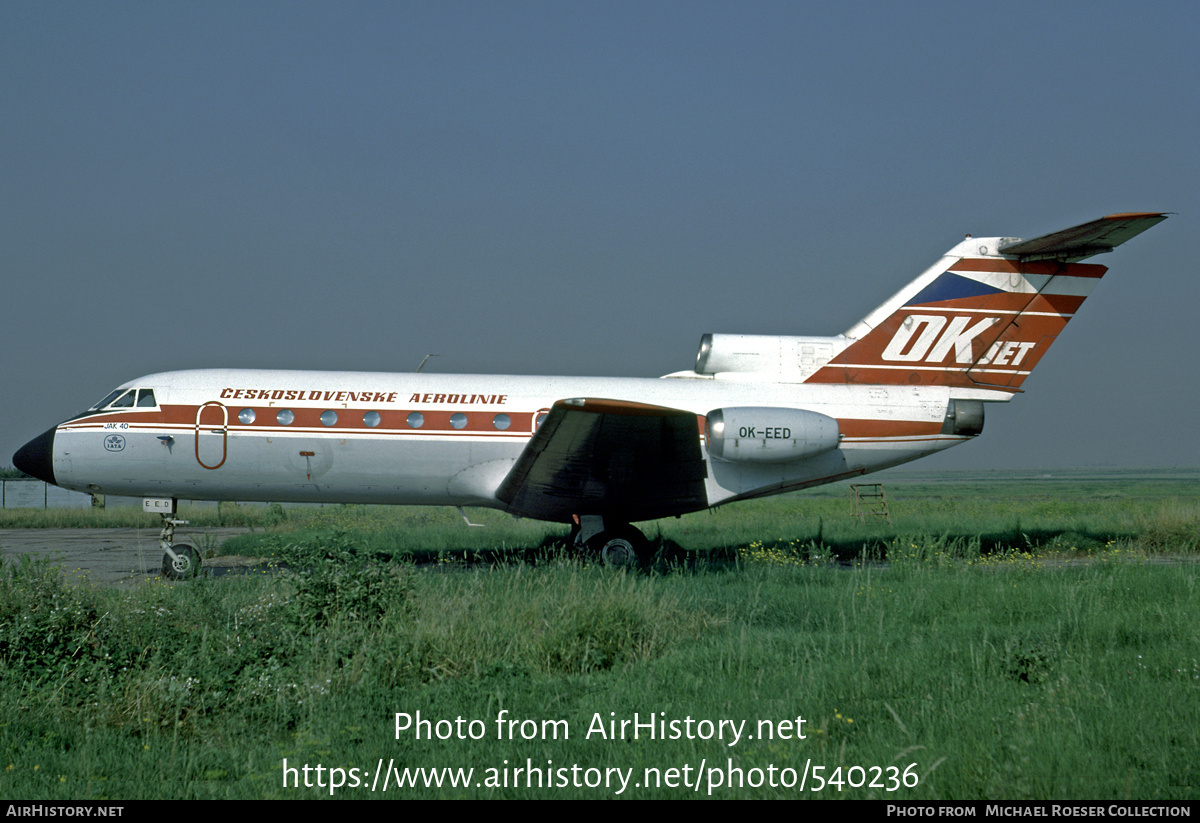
{"points": [[615, 458], [1078, 242]]}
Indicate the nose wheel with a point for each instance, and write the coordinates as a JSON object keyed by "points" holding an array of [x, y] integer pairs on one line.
{"points": [[181, 561], [185, 564]]}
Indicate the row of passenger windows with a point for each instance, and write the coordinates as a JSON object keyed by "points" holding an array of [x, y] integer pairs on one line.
{"points": [[415, 420], [144, 399]]}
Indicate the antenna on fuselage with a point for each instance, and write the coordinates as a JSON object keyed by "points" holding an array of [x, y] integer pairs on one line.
{"points": [[423, 362]]}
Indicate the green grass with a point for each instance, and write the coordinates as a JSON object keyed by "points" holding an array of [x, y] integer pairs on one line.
{"points": [[1069, 516], [223, 514], [976, 666]]}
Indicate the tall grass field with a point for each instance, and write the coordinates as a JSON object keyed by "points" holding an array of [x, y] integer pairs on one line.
{"points": [[1004, 637]]}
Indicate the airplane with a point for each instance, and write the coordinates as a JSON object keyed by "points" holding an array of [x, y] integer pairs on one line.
{"points": [[758, 415]]}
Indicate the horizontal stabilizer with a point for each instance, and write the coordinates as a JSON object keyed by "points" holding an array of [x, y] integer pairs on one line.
{"points": [[1078, 242]]}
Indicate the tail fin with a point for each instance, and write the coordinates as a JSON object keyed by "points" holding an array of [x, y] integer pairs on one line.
{"points": [[984, 315]]}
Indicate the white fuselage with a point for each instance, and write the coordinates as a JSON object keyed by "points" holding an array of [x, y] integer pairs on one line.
{"points": [[437, 439]]}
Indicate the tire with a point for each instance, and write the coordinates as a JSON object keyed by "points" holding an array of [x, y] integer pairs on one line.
{"points": [[187, 566], [621, 548]]}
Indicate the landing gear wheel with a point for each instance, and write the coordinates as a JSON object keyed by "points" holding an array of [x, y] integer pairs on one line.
{"points": [[622, 548], [187, 565]]}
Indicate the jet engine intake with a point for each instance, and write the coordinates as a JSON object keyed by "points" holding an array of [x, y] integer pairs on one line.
{"points": [[769, 435], [791, 359]]}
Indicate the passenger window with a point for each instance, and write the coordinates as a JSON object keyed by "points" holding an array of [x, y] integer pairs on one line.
{"points": [[146, 399]]}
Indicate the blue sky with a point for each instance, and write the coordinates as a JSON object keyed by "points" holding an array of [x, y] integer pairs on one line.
{"points": [[586, 188]]}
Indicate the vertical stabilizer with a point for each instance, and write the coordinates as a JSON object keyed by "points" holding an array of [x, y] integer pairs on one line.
{"points": [[984, 315]]}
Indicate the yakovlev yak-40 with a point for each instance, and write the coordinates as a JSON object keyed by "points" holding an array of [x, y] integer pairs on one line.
{"points": [[758, 415]]}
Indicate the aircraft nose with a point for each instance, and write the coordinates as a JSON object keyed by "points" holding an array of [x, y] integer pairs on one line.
{"points": [[36, 457]]}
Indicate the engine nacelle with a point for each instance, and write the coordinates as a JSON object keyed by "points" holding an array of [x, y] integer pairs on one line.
{"points": [[964, 417], [769, 435], [779, 358]]}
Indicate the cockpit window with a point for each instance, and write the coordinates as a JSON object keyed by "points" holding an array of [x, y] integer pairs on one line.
{"points": [[128, 399], [111, 397], [125, 401]]}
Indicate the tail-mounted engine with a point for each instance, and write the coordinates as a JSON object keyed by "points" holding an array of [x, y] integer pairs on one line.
{"points": [[964, 417], [779, 358], [769, 435]]}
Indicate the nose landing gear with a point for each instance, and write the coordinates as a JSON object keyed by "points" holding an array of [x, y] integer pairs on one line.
{"points": [[180, 561]]}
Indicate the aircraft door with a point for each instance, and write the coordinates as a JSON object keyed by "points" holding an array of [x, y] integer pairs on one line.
{"points": [[212, 434]]}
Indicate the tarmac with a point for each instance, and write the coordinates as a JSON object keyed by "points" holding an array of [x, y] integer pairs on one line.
{"points": [[119, 557]]}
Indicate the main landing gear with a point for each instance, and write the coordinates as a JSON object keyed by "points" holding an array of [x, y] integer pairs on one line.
{"points": [[619, 545]]}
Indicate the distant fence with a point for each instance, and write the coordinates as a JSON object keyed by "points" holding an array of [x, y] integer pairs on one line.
{"points": [[34, 494]]}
